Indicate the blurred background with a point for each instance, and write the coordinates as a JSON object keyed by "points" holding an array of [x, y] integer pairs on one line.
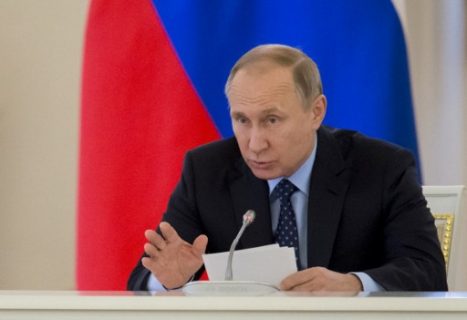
{"points": [[41, 44]]}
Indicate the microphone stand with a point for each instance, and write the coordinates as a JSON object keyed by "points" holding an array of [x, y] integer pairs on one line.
{"points": [[248, 218], [228, 287]]}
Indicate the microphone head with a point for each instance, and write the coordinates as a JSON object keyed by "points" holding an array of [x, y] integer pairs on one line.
{"points": [[249, 217]]}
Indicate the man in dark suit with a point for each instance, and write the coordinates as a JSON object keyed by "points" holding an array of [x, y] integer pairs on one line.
{"points": [[355, 211]]}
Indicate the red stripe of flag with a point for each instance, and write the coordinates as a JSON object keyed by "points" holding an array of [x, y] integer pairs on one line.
{"points": [[140, 113]]}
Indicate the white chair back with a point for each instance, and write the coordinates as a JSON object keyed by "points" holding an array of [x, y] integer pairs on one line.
{"points": [[445, 203]]}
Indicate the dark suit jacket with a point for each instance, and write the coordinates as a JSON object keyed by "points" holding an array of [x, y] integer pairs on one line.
{"points": [[366, 210]]}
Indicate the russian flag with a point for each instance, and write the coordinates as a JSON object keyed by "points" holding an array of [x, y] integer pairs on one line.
{"points": [[152, 88]]}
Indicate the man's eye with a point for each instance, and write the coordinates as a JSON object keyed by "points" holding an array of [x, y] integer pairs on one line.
{"points": [[242, 120], [272, 120]]}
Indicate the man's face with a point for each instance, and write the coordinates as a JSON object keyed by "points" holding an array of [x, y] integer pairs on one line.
{"points": [[273, 129]]}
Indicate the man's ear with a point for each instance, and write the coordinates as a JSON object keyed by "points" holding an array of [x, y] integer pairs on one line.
{"points": [[318, 108]]}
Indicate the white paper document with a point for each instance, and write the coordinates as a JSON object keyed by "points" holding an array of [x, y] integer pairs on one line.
{"points": [[269, 264]]}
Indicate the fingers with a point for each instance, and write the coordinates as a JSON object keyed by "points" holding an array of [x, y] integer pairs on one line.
{"points": [[199, 245], [297, 279], [155, 239], [160, 242], [153, 265], [150, 250], [148, 263], [321, 279], [170, 248], [157, 243], [168, 232]]}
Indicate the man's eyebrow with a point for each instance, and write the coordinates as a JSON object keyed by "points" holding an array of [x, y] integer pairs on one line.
{"points": [[237, 113], [270, 110], [264, 112]]}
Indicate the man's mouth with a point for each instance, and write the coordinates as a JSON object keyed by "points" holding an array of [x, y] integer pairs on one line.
{"points": [[259, 164]]}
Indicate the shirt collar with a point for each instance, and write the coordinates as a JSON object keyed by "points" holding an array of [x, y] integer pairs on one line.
{"points": [[300, 178]]}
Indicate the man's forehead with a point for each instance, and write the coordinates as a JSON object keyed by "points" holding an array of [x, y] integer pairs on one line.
{"points": [[254, 79], [262, 67], [265, 93]]}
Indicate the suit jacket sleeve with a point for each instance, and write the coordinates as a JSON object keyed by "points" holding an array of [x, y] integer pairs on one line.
{"points": [[182, 215], [413, 259]]}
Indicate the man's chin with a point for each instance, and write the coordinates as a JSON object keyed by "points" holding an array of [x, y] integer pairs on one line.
{"points": [[265, 174]]}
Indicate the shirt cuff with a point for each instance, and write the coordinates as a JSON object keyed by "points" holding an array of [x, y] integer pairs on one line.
{"points": [[154, 285], [368, 284]]}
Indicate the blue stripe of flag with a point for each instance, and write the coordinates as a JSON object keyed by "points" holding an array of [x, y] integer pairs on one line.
{"points": [[358, 45]]}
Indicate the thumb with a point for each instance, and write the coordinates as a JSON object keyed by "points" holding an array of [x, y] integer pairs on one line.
{"points": [[200, 243]]}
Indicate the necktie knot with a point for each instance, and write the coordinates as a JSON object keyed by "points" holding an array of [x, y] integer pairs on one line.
{"points": [[283, 191]]}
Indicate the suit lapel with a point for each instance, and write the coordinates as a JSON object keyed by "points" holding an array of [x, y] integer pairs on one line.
{"points": [[329, 183], [249, 192]]}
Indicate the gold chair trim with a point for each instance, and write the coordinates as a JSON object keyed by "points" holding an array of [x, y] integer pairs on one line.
{"points": [[444, 225]]}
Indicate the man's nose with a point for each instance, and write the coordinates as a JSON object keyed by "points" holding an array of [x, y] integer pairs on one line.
{"points": [[258, 141]]}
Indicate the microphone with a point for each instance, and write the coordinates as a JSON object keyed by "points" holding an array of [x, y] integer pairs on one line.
{"points": [[228, 287], [248, 219]]}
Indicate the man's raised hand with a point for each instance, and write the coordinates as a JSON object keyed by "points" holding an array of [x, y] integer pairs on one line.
{"points": [[170, 258]]}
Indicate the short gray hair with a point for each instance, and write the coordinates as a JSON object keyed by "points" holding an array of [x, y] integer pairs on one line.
{"points": [[304, 70]]}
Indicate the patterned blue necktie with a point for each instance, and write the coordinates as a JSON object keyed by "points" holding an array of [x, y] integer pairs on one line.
{"points": [[286, 232]]}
